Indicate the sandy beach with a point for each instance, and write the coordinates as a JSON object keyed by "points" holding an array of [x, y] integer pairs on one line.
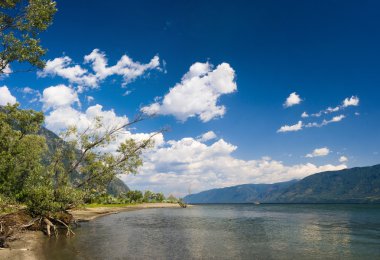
{"points": [[29, 245], [88, 214]]}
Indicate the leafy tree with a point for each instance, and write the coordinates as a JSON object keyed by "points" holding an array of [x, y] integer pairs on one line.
{"points": [[21, 148], [135, 195], [159, 197], [148, 195], [21, 22], [85, 162]]}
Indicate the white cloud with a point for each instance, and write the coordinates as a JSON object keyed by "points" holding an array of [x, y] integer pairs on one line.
{"points": [[59, 96], [304, 115], [90, 99], [343, 159], [6, 96], [293, 99], [291, 128], [188, 163], [197, 94], [207, 136], [27, 90], [319, 152], [125, 67], [325, 122], [62, 117], [352, 101], [76, 74], [33, 94]]}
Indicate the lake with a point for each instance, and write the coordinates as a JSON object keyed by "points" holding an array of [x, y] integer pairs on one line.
{"points": [[243, 231]]}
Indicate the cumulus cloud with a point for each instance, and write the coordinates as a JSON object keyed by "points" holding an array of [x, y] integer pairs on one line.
{"points": [[292, 100], [125, 67], [6, 96], [62, 117], [319, 152], [76, 74], [197, 94], [59, 96], [291, 128], [187, 163], [352, 101], [207, 136], [343, 159]]}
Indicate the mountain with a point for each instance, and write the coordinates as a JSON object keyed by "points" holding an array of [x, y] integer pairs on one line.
{"points": [[356, 185], [246, 193]]}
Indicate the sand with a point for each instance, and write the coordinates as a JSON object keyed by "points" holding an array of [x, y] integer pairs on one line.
{"points": [[88, 214], [27, 247]]}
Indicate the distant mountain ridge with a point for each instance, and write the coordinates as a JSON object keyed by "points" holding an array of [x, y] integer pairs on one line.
{"points": [[356, 185], [245, 193]]}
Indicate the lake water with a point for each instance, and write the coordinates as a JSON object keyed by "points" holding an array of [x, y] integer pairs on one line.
{"points": [[228, 232]]}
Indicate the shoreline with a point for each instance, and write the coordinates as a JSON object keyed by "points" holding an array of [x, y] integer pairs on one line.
{"points": [[91, 213], [29, 244]]}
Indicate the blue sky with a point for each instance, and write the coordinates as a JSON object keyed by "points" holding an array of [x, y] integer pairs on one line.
{"points": [[324, 51]]}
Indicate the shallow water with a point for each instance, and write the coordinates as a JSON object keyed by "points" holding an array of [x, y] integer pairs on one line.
{"points": [[228, 232]]}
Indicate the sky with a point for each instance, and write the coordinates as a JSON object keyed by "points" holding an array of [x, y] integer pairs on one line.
{"points": [[252, 91]]}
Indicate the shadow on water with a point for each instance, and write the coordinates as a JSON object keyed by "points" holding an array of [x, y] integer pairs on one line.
{"points": [[228, 232]]}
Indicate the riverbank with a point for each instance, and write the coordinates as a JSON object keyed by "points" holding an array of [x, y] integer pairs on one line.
{"points": [[93, 212], [29, 244]]}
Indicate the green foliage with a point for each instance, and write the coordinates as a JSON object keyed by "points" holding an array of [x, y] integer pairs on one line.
{"points": [[21, 148], [8, 204], [135, 196], [21, 22], [150, 196], [78, 171], [84, 153]]}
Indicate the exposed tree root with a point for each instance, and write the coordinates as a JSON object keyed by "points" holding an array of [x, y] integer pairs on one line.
{"points": [[11, 225]]}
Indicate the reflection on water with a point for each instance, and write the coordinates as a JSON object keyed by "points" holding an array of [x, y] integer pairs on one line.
{"points": [[228, 232]]}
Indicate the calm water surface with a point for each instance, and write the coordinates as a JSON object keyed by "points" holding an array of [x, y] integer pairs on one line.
{"points": [[228, 232]]}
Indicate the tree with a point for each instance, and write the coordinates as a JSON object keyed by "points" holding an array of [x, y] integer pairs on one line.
{"points": [[85, 161], [21, 22], [148, 195], [21, 149], [135, 195], [159, 197]]}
